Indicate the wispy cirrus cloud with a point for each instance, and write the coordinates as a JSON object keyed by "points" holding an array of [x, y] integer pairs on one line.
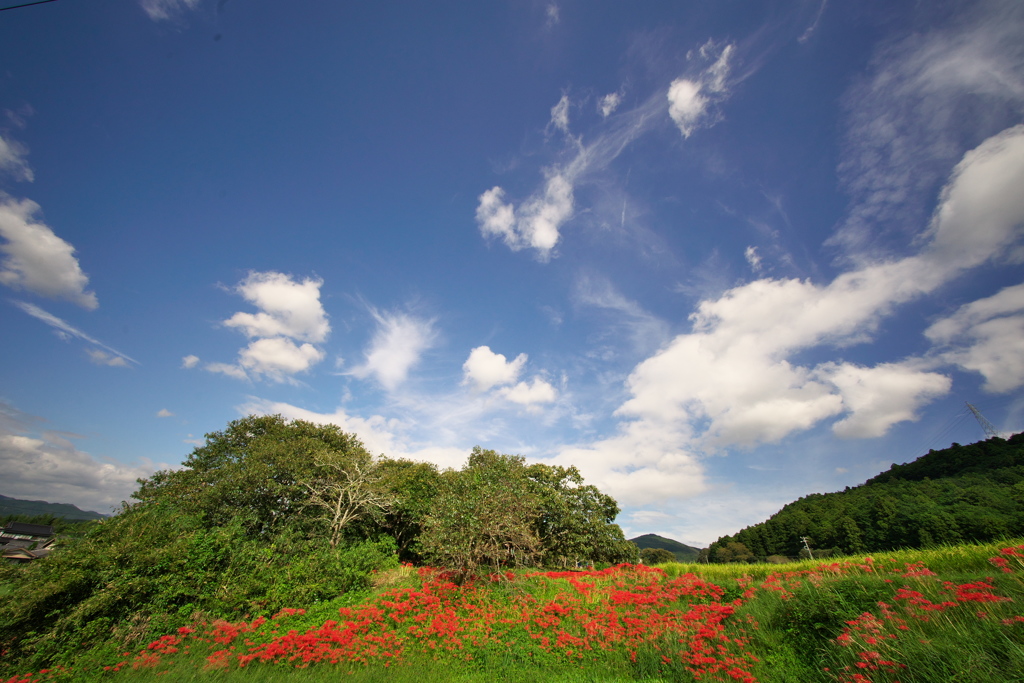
{"points": [[166, 10], [536, 222], [396, 347], [101, 353], [13, 161], [926, 99]]}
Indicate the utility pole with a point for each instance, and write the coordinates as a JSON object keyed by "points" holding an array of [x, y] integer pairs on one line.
{"points": [[989, 429], [806, 545]]}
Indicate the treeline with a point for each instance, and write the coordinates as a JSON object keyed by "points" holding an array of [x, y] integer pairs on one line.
{"points": [[270, 513], [960, 494]]}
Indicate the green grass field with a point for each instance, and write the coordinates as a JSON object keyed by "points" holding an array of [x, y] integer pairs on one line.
{"points": [[945, 614]]}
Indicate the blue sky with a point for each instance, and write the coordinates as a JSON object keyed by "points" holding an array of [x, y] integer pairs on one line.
{"points": [[716, 255]]}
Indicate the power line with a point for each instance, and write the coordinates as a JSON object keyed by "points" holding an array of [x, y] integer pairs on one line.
{"points": [[27, 4]]}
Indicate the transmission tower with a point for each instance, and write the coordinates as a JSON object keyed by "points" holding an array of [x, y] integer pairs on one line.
{"points": [[987, 426]]}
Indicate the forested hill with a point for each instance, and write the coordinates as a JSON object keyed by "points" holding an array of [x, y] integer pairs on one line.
{"points": [[959, 494]]}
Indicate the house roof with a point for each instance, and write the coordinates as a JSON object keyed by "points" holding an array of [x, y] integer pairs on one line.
{"points": [[24, 529]]}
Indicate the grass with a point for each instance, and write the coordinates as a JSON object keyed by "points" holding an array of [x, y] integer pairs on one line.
{"points": [[951, 613]]}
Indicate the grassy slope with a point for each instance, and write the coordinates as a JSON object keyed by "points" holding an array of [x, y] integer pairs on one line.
{"points": [[795, 618]]}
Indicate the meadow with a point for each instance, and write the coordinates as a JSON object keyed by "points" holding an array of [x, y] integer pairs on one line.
{"points": [[953, 613]]}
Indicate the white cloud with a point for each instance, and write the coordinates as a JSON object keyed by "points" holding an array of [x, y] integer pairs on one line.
{"points": [[530, 394], [290, 312], [287, 308], [486, 369], [609, 103], [163, 412], [12, 160], [164, 10], [37, 260], [644, 462], [378, 434], [278, 358], [67, 331], [753, 258], [396, 347], [734, 380], [928, 96], [553, 16], [879, 397], [537, 222], [690, 99], [226, 369], [189, 361], [986, 337], [48, 466], [103, 358], [560, 114]]}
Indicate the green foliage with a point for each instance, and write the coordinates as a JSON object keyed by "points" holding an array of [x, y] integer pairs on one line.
{"points": [[483, 516], [961, 494], [270, 513], [499, 512], [656, 556]]}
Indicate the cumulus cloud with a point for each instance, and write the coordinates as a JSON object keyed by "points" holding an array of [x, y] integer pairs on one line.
{"points": [[396, 347], [530, 393], [485, 369], [290, 312], [68, 331], [287, 308], [163, 412], [12, 160], [36, 259], [278, 358], [165, 10], [188, 362], [691, 99], [535, 224], [734, 379], [48, 466], [879, 397], [645, 461], [985, 336]]}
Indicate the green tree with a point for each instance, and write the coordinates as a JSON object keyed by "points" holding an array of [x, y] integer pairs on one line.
{"points": [[575, 520], [653, 556], [483, 516]]}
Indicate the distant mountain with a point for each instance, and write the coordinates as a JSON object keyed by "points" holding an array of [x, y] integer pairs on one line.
{"points": [[683, 552], [32, 508], [961, 494]]}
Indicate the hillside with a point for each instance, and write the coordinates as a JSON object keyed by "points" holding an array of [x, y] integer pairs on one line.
{"points": [[960, 494], [683, 552], [34, 508]]}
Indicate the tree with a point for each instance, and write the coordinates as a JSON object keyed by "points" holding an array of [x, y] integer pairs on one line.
{"points": [[654, 556], [483, 516], [253, 473], [413, 487], [346, 490], [575, 520]]}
